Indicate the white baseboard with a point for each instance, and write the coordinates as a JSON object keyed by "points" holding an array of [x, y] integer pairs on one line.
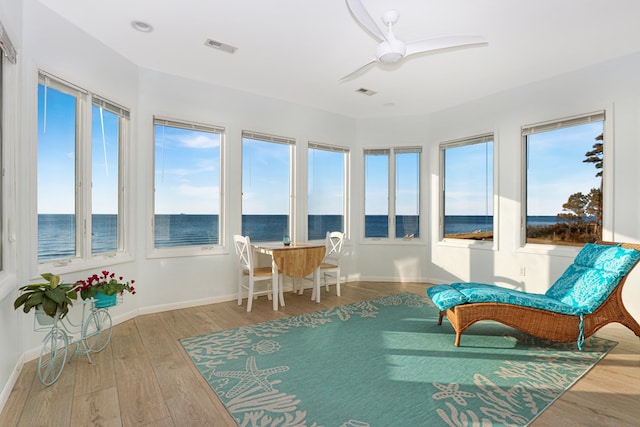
{"points": [[13, 378]]}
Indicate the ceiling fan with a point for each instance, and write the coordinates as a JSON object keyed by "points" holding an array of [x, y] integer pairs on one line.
{"points": [[391, 50]]}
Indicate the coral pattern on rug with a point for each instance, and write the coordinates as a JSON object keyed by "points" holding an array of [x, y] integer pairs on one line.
{"points": [[262, 372]]}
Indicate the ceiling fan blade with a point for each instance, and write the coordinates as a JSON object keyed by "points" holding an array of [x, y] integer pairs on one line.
{"points": [[364, 19], [357, 72], [446, 42]]}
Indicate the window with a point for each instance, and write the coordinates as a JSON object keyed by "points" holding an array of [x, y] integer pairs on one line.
{"points": [[563, 180], [108, 124], [266, 186], [80, 140], [327, 195], [188, 174], [392, 193], [467, 189], [407, 186], [59, 109]]}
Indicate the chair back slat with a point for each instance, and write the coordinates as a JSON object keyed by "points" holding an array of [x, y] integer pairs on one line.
{"points": [[334, 241], [244, 252]]}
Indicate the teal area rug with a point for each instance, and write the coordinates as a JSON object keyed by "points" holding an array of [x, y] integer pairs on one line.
{"points": [[386, 362]]}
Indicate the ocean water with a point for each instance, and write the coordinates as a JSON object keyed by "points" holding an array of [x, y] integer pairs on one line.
{"points": [[56, 232]]}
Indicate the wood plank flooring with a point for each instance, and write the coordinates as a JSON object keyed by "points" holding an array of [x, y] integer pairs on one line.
{"points": [[144, 378]]}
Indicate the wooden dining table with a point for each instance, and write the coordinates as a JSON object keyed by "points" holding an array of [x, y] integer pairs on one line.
{"points": [[297, 260]]}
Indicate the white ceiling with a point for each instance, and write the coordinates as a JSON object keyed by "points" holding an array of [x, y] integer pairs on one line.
{"points": [[297, 50]]}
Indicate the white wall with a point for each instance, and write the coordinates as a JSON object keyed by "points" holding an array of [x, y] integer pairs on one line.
{"points": [[48, 42], [612, 86], [163, 95]]}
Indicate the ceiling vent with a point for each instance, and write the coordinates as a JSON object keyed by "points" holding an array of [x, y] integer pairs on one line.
{"points": [[220, 46], [364, 91]]}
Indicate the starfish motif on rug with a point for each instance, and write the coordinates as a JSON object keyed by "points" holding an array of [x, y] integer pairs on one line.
{"points": [[251, 377]]}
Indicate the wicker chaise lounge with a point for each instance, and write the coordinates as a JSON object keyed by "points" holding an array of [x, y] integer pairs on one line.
{"points": [[586, 297]]}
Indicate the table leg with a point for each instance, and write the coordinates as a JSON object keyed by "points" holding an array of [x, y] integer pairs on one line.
{"points": [[316, 284], [275, 284]]}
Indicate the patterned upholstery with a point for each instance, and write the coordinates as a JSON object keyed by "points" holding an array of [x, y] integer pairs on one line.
{"points": [[594, 274], [581, 289]]}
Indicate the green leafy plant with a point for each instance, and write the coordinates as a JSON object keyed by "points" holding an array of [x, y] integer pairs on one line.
{"points": [[53, 296], [106, 283]]}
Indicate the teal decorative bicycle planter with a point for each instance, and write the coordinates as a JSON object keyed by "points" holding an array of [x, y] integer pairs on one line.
{"points": [[104, 301], [52, 300], [94, 332]]}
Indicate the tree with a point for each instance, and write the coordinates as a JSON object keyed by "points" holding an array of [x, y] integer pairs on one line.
{"points": [[580, 207], [576, 208], [595, 156]]}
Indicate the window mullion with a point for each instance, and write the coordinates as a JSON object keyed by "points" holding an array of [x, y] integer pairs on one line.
{"points": [[123, 135], [392, 194], [83, 178]]}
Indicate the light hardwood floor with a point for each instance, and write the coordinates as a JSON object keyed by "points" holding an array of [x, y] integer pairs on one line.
{"points": [[144, 378]]}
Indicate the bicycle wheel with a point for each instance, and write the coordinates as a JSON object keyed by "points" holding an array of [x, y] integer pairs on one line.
{"points": [[96, 330], [53, 356]]}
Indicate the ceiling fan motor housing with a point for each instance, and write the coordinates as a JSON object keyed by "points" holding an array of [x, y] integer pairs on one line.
{"points": [[391, 51]]}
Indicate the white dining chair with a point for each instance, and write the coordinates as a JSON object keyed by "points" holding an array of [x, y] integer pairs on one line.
{"points": [[330, 265], [249, 274]]}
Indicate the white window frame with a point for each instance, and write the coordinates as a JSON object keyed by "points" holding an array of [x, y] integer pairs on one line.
{"points": [[291, 142], [194, 250], [84, 258], [478, 139], [345, 185], [391, 220], [607, 178]]}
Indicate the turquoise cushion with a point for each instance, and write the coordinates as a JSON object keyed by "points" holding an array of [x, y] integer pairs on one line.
{"points": [[614, 259], [592, 277], [581, 289], [448, 296], [492, 293], [445, 297]]}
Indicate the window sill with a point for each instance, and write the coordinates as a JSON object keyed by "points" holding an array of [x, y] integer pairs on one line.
{"points": [[72, 265], [190, 251], [396, 242], [487, 245], [553, 250]]}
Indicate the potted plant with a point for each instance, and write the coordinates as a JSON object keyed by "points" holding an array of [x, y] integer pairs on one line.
{"points": [[49, 299], [104, 287]]}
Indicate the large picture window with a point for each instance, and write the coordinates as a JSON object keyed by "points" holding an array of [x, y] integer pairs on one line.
{"points": [[467, 189], [266, 186], [80, 140], [327, 195], [187, 184], [563, 180], [392, 193]]}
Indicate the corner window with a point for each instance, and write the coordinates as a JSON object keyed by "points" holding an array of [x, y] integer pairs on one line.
{"points": [[267, 168], [80, 136], [392, 193], [467, 189], [327, 195], [563, 180], [188, 200]]}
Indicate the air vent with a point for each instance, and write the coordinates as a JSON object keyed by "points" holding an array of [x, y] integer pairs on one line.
{"points": [[220, 46], [364, 91]]}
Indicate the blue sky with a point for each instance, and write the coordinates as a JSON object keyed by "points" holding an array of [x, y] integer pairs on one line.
{"points": [[186, 171], [469, 180], [187, 174], [556, 170]]}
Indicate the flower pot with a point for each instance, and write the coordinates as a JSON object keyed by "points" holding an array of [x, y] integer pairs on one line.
{"points": [[103, 301], [43, 318]]}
